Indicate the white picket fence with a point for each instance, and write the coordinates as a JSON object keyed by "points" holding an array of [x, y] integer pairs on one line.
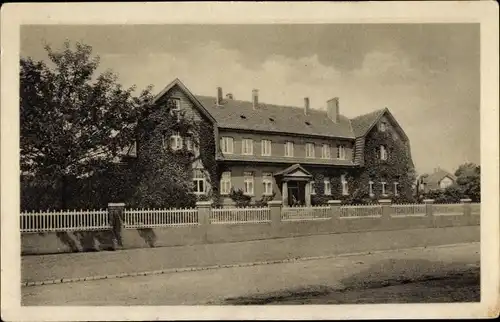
{"points": [[68, 220], [403, 210], [155, 218], [240, 215], [475, 209], [305, 213], [450, 209], [360, 211]]}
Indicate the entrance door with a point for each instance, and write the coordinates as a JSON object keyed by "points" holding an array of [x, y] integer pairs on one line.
{"points": [[296, 193]]}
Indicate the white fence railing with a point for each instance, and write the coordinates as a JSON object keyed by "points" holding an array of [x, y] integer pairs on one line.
{"points": [[360, 211], [450, 209], [152, 218], [305, 213], [54, 221], [240, 215], [475, 209], [402, 210]]}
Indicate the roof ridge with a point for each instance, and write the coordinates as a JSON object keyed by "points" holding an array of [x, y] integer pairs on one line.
{"points": [[268, 104]]}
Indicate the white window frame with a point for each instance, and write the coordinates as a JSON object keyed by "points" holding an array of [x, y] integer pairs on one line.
{"points": [[396, 193], [325, 151], [289, 149], [227, 144], [248, 182], [177, 110], [370, 188], [247, 147], [225, 183], [327, 187], [383, 153], [341, 152], [345, 187], [198, 177], [310, 150], [266, 147], [267, 181], [313, 188], [384, 192], [175, 141], [382, 126], [188, 142]]}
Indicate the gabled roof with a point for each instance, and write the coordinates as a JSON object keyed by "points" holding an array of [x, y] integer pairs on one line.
{"points": [[187, 92], [363, 123], [437, 176], [237, 114], [292, 169]]}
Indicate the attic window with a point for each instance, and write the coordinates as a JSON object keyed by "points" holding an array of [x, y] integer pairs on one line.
{"points": [[243, 117], [308, 123], [271, 119]]}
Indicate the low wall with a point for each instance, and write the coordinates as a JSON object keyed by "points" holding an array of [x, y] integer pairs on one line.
{"points": [[48, 243]]}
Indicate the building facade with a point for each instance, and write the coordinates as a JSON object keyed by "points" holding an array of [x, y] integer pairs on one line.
{"points": [[299, 155]]}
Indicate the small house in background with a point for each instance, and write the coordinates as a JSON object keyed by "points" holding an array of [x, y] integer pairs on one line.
{"points": [[439, 179]]}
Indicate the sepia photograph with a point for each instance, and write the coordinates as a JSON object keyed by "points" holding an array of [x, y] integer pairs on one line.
{"points": [[232, 164]]}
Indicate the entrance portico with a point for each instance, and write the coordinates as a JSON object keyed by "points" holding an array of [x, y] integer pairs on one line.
{"points": [[295, 185]]}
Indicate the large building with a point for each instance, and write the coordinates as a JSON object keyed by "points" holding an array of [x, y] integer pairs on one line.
{"points": [[300, 155]]}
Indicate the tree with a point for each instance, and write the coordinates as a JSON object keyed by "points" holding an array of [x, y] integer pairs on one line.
{"points": [[72, 120], [469, 180]]}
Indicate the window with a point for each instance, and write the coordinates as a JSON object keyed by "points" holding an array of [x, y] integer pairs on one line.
{"points": [[247, 147], [226, 144], [313, 188], [370, 186], [383, 152], [383, 183], [396, 188], [267, 181], [175, 105], [176, 141], [189, 144], [343, 180], [382, 126], [266, 147], [248, 183], [199, 182], [225, 183], [289, 149], [325, 151], [309, 150], [341, 152], [328, 186]]}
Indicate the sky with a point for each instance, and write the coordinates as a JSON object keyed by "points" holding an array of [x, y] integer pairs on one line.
{"points": [[426, 74]]}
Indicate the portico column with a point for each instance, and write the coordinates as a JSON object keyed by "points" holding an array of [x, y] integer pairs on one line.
{"points": [[308, 193], [284, 191]]}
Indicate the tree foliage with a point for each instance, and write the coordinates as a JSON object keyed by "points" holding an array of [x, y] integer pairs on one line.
{"points": [[74, 122]]}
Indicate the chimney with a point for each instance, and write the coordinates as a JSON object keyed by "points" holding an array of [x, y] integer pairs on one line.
{"points": [[219, 95], [306, 105], [332, 109], [255, 98], [229, 96]]}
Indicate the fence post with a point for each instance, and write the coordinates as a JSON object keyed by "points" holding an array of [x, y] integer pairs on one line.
{"points": [[116, 212], [335, 209], [429, 211], [275, 209], [386, 208], [204, 209], [467, 210]]}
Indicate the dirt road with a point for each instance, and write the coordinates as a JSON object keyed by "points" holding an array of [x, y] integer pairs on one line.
{"points": [[219, 286]]}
